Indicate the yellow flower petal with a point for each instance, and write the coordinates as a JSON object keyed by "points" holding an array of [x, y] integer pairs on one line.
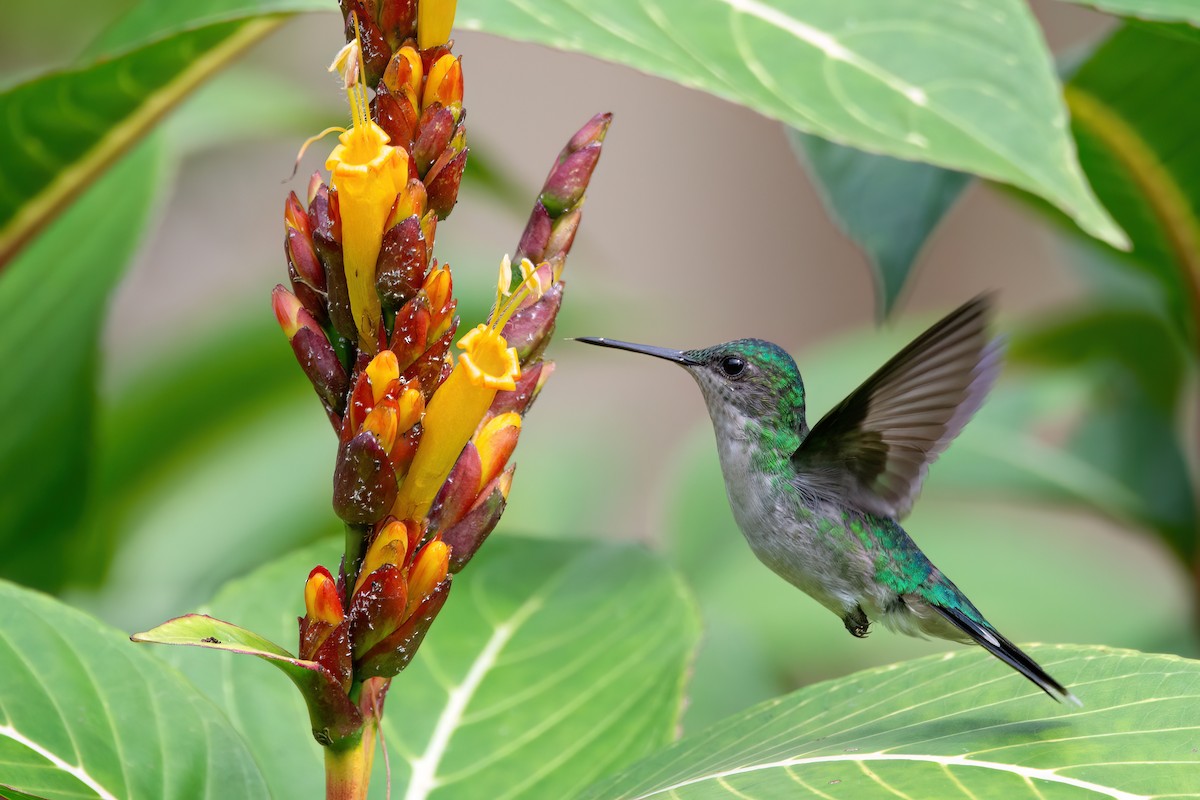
{"points": [[389, 547], [368, 174], [488, 365], [435, 18]]}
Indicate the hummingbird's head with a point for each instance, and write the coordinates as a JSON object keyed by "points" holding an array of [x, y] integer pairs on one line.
{"points": [[756, 379]]}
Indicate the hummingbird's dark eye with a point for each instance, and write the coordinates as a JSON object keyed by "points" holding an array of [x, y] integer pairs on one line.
{"points": [[732, 366]]}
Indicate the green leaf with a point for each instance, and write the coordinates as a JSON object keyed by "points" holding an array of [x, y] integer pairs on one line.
{"points": [[1094, 426], [921, 82], [551, 665], [1140, 156], [1139, 342], [959, 725], [330, 709], [85, 713], [8, 793], [969, 87], [1165, 10], [888, 207], [52, 301], [64, 128]]}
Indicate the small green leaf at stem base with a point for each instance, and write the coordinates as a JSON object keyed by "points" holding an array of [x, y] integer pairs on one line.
{"points": [[334, 717]]}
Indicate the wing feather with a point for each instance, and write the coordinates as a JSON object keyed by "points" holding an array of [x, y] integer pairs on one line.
{"points": [[875, 447]]}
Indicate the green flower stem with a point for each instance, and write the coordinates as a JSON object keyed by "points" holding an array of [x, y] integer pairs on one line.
{"points": [[348, 766], [356, 536]]}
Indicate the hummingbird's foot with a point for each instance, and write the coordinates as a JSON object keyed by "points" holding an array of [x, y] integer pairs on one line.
{"points": [[857, 623]]}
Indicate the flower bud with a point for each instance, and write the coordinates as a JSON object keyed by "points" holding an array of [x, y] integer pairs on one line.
{"points": [[390, 546], [443, 184], [530, 328], [466, 536], [397, 20], [428, 570], [536, 235], [382, 423], [364, 482], [325, 216], [323, 634], [444, 84], [495, 442], [394, 653], [396, 114], [568, 180], [459, 490], [434, 132], [410, 332], [402, 261], [529, 385], [321, 601], [381, 373], [379, 606], [405, 73], [562, 235]]}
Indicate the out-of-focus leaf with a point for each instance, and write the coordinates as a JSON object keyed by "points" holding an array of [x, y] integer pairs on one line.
{"points": [[1112, 444], [1090, 438], [1165, 10], [887, 206], [52, 302], [921, 81], [84, 713], [241, 104], [64, 128], [8, 793], [151, 20], [1136, 124], [969, 87], [551, 665], [1140, 342], [1137, 444], [949, 727]]}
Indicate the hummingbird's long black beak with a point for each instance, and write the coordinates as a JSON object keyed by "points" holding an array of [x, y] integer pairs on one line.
{"points": [[678, 356]]}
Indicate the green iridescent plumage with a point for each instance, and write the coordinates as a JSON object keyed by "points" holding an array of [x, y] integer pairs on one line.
{"points": [[821, 507]]}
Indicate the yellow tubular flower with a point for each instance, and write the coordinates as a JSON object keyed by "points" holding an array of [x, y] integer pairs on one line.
{"points": [[435, 18], [487, 366], [368, 174]]}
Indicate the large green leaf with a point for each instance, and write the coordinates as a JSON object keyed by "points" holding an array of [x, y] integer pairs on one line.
{"points": [[1140, 154], [921, 82], [65, 128], [959, 725], [889, 207], [970, 87], [85, 713], [1165, 10], [52, 302], [551, 665]]}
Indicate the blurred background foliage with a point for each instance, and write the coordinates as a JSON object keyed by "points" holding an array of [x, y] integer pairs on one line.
{"points": [[174, 444]]}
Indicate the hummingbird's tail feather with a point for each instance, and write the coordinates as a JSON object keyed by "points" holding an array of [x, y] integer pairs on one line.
{"points": [[1009, 653]]}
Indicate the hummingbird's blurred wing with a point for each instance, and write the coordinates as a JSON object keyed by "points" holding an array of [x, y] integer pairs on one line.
{"points": [[874, 448]]}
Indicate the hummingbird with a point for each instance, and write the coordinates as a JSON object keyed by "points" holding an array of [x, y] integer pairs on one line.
{"points": [[821, 507]]}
